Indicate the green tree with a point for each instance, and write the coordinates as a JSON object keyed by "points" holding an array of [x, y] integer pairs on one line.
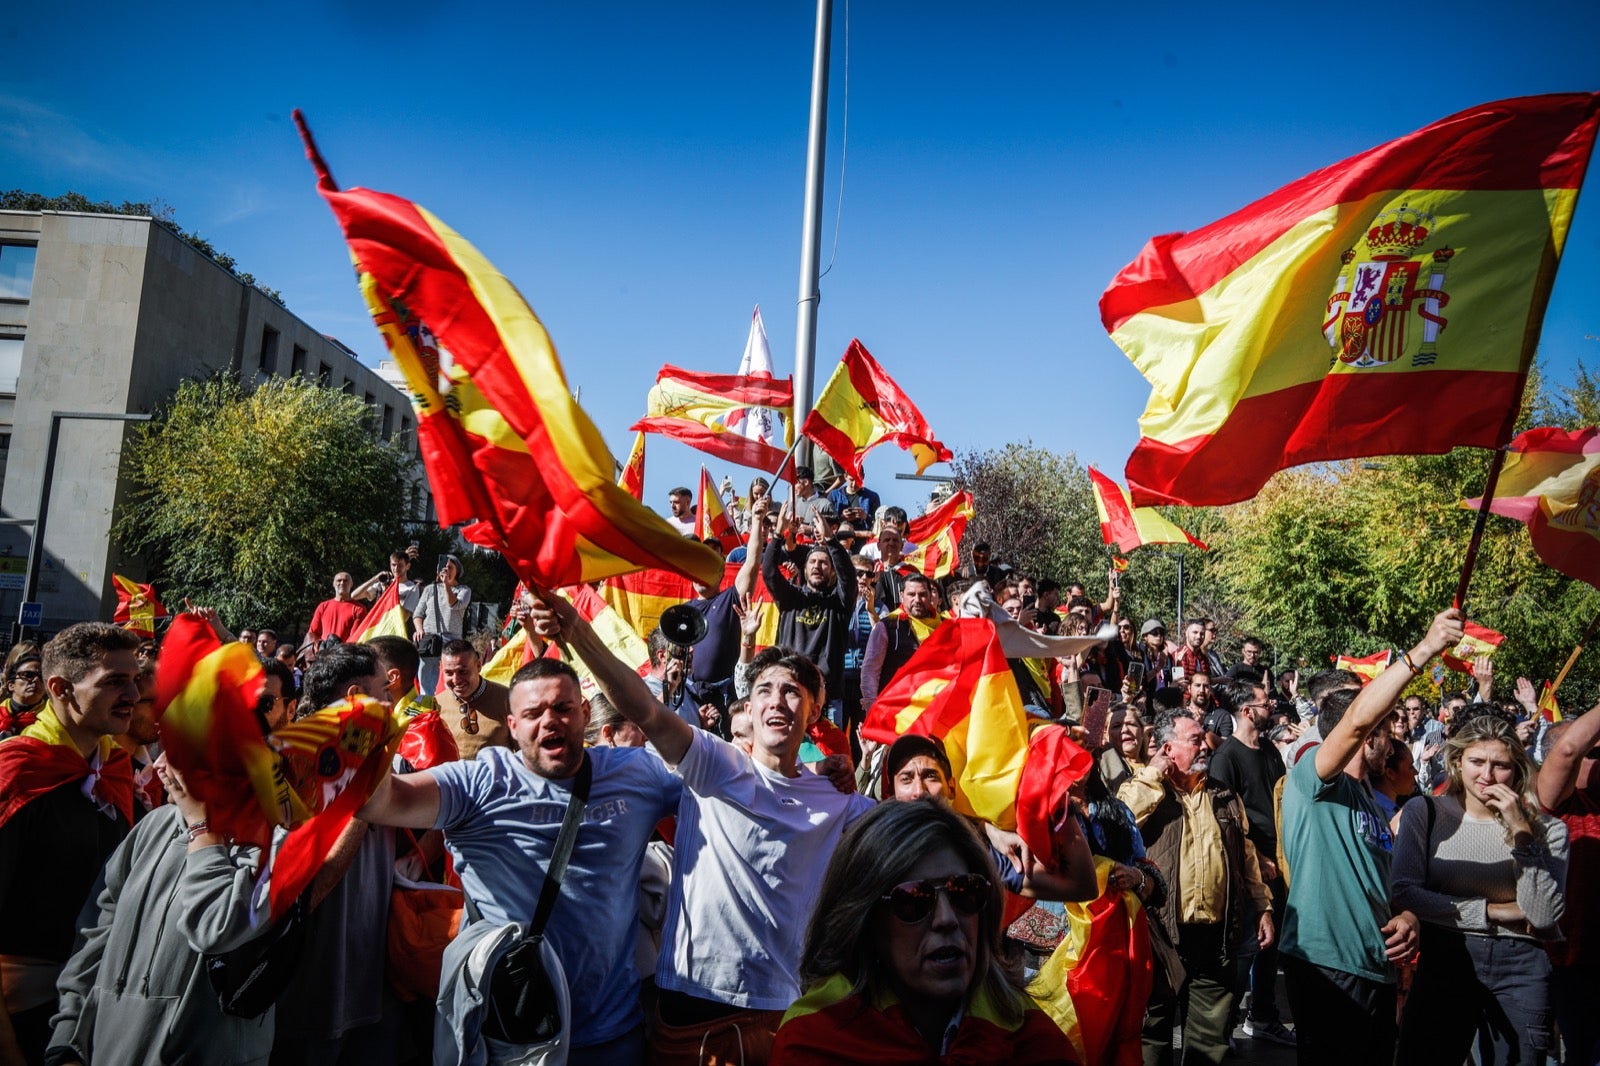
{"points": [[250, 500]]}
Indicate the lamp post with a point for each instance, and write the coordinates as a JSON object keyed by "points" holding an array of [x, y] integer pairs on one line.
{"points": [[30, 583]]}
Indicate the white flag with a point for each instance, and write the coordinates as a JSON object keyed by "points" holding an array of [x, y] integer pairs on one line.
{"points": [[757, 423]]}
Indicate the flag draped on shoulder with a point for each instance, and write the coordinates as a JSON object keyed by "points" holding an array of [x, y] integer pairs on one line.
{"points": [[503, 440], [43, 757], [1551, 484], [137, 606], [860, 408], [1128, 527], [1367, 667], [957, 688], [1386, 304], [1477, 640], [632, 477], [385, 618], [708, 413], [710, 520], [937, 536]]}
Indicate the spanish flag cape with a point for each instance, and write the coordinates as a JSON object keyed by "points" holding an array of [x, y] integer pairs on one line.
{"points": [[830, 1024], [42, 758]]}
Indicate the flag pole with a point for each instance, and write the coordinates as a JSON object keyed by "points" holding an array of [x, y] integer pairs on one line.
{"points": [[1572, 659], [805, 338], [1495, 464]]}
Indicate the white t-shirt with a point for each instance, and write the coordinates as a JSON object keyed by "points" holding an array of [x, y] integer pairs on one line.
{"points": [[749, 855], [682, 525]]}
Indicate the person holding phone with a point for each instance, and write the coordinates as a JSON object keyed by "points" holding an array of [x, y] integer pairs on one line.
{"points": [[441, 617]]}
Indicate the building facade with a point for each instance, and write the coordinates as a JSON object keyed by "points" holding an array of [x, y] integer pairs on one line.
{"points": [[108, 314]]}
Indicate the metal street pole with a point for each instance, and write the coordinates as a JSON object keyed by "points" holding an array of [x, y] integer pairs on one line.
{"points": [[805, 331], [30, 583]]}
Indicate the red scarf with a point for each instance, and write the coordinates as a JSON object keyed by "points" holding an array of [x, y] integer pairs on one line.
{"points": [[43, 759]]}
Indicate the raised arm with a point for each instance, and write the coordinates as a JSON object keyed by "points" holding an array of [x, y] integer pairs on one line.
{"points": [[1376, 701], [745, 581], [553, 617], [408, 801], [1564, 758]]}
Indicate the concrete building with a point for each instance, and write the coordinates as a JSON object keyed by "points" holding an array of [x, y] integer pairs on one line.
{"points": [[109, 313]]}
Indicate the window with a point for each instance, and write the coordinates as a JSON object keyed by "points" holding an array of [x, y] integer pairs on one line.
{"points": [[349, 387], [297, 361], [267, 357], [388, 422], [10, 363], [16, 271], [324, 374]]}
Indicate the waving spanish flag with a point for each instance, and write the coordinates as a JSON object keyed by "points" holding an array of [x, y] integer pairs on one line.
{"points": [[137, 606], [1129, 527], [503, 440], [708, 413], [632, 477], [937, 536], [958, 689], [1551, 484], [1389, 303], [385, 618], [1477, 640], [860, 408], [1367, 667], [710, 520]]}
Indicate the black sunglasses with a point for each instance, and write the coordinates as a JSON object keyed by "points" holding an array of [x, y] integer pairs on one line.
{"points": [[913, 901]]}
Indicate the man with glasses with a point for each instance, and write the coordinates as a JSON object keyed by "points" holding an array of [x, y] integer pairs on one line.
{"points": [[1196, 828], [1249, 764]]}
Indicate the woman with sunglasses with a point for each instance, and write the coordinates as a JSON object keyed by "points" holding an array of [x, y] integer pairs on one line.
{"points": [[901, 963], [24, 690]]}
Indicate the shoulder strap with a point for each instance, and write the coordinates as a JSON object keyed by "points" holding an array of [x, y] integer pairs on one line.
{"points": [[563, 849], [1427, 848]]}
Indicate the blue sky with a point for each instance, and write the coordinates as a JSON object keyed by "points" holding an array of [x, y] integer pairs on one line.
{"points": [[636, 169]]}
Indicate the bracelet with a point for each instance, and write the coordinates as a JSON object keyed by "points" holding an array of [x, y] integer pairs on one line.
{"points": [[198, 830], [1405, 657]]}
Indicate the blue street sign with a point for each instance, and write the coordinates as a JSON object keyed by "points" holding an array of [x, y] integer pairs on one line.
{"points": [[32, 613]]}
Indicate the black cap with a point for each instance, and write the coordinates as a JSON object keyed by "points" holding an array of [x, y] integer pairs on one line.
{"points": [[909, 747]]}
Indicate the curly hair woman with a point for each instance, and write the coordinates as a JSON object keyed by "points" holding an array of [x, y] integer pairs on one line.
{"points": [[901, 959], [1486, 873]]}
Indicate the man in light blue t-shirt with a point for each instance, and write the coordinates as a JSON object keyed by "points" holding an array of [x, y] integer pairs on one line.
{"points": [[501, 814], [1340, 936]]}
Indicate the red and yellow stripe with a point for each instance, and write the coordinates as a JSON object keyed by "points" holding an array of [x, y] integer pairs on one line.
{"points": [[705, 411], [1127, 526], [937, 536], [1551, 484], [1240, 327], [861, 407]]}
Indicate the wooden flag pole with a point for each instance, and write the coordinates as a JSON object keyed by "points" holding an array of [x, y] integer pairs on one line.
{"points": [[1489, 484], [1577, 650]]}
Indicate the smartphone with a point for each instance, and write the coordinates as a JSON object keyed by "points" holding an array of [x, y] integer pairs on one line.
{"points": [[1136, 672], [444, 560], [1096, 715], [1116, 580]]}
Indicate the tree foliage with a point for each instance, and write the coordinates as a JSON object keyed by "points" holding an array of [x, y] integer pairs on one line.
{"points": [[250, 500], [22, 200]]}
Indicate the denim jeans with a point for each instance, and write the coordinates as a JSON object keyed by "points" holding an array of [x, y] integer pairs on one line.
{"points": [[1494, 991]]}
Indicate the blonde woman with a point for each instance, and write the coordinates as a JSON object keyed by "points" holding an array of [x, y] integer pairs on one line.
{"points": [[1486, 872]]}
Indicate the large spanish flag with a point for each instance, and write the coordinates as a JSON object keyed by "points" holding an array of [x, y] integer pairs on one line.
{"points": [[937, 536], [385, 618], [1551, 484], [860, 408], [957, 688], [1129, 527], [1386, 304], [708, 413], [137, 606], [502, 438]]}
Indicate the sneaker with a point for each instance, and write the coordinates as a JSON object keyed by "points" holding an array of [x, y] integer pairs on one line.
{"points": [[1276, 1032]]}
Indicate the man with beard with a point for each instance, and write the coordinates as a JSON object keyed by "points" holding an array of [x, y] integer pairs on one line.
{"points": [[1341, 936], [1194, 829], [814, 614], [895, 639]]}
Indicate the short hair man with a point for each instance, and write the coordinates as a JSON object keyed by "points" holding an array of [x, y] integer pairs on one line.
{"points": [[266, 643], [336, 617], [1340, 937], [854, 502], [754, 836], [814, 613], [681, 515], [399, 573], [54, 840], [1196, 827], [475, 708], [896, 637]]}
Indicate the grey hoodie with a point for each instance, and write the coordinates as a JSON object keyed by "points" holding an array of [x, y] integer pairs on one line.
{"points": [[134, 991]]}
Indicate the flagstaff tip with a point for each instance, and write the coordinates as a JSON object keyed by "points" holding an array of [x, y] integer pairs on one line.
{"points": [[324, 175]]}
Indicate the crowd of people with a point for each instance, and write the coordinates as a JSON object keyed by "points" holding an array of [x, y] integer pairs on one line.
{"points": [[725, 871]]}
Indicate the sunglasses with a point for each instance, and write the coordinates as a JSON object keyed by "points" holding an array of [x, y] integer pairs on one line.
{"points": [[913, 901], [27, 675]]}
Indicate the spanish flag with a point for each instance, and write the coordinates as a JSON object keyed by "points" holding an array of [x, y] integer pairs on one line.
{"points": [[957, 688], [1548, 707], [502, 438], [1129, 527], [1551, 484], [1478, 640], [860, 408], [1389, 303], [707, 412], [632, 477], [937, 536], [710, 520], [1055, 763], [512, 656], [1367, 668], [385, 618], [137, 606], [43, 757]]}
